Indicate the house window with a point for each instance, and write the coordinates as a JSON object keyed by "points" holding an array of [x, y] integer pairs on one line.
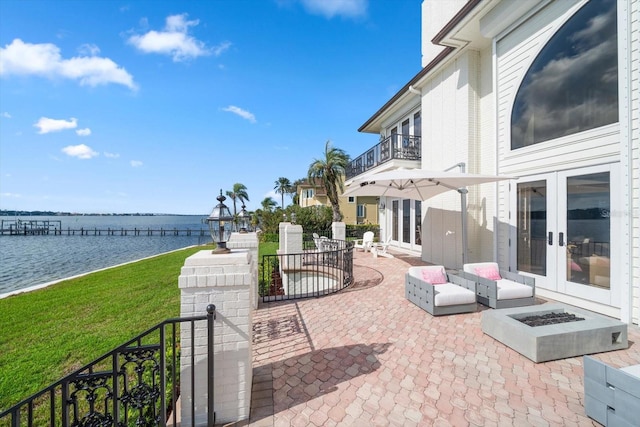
{"points": [[361, 211], [417, 124], [405, 127], [307, 194], [352, 199], [572, 85]]}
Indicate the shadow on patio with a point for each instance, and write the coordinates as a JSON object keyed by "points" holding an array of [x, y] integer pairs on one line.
{"points": [[370, 357]]}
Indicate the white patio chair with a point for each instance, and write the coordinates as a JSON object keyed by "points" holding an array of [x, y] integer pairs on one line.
{"points": [[366, 243], [381, 247], [434, 290], [500, 288]]}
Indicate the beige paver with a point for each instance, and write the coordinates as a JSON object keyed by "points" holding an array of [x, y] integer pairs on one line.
{"points": [[366, 356]]}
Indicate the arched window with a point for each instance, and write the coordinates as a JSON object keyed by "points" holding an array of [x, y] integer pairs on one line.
{"points": [[572, 85]]}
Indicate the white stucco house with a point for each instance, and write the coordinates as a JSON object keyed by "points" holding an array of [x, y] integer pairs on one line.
{"points": [[547, 91]]}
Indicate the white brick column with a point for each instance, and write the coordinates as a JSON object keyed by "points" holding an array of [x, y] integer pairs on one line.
{"points": [[248, 241], [339, 231], [224, 280], [281, 227]]}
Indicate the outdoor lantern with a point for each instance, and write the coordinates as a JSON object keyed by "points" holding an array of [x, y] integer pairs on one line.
{"points": [[220, 222], [243, 219], [293, 217]]}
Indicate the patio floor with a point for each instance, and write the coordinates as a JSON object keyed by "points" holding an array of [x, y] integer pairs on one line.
{"points": [[367, 356]]}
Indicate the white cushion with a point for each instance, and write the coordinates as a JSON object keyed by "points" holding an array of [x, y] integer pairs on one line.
{"points": [[471, 268], [452, 294], [508, 289], [416, 271]]}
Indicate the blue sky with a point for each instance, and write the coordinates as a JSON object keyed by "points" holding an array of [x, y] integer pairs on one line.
{"points": [[154, 106]]}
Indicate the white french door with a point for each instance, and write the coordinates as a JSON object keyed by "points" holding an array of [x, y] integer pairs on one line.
{"points": [[406, 223], [564, 233]]}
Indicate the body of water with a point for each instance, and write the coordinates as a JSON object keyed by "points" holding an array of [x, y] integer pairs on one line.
{"points": [[27, 261]]}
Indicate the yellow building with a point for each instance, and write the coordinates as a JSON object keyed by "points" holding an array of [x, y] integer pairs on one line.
{"points": [[355, 210]]}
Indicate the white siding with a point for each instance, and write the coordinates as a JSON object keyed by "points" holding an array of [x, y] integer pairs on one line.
{"points": [[614, 144], [634, 44], [515, 53]]}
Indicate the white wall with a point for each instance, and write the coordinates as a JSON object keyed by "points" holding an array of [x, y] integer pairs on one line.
{"points": [[456, 130], [435, 15]]}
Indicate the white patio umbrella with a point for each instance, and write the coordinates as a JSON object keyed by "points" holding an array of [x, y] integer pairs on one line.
{"points": [[417, 184], [421, 184]]}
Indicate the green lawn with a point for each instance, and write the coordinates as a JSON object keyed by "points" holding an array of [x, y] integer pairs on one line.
{"points": [[48, 333]]}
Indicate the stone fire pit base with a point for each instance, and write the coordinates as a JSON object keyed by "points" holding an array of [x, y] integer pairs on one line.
{"points": [[595, 334]]}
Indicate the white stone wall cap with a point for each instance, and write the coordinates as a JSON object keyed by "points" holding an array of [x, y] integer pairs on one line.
{"points": [[206, 258]]}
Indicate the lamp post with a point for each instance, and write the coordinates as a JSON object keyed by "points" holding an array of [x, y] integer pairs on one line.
{"points": [[220, 222], [243, 218]]}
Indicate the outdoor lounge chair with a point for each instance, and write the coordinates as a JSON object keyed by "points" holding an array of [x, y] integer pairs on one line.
{"points": [[366, 242], [381, 247], [500, 288], [434, 290], [611, 395]]}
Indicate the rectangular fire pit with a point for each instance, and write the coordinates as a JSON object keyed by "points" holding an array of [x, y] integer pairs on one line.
{"points": [[594, 334]]}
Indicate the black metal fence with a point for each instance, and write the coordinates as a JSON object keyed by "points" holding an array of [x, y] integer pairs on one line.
{"points": [[136, 384], [325, 266]]}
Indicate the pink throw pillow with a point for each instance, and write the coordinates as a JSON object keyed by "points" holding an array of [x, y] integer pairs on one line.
{"points": [[489, 272], [435, 277]]}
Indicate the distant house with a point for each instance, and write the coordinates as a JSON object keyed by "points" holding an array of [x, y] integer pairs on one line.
{"points": [[543, 90], [355, 210]]}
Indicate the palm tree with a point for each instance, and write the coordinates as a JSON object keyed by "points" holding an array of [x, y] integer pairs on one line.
{"points": [[268, 204], [330, 172], [283, 186], [239, 192]]}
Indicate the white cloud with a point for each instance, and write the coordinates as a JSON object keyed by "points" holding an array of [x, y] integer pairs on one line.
{"points": [[221, 48], [11, 195], [175, 40], [136, 163], [111, 155], [88, 49], [83, 132], [240, 112], [80, 151], [44, 59], [331, 8], [46, 125], [6, 115]]}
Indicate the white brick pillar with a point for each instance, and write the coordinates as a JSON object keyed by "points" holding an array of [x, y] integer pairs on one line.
{"points": [[339, 231], [290, 258], [281, 227], [224, 280], [248, 241]]}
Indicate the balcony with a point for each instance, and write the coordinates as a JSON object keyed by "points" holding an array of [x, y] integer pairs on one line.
{"points": [[393, 147]]}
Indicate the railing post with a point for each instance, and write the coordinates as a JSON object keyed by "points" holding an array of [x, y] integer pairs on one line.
{"points": [[211, 316]]}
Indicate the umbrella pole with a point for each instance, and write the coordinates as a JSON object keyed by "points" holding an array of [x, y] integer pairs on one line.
{"points": [[463, 210], [463, 215]]}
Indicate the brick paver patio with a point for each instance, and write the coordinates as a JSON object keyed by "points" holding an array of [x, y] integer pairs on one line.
{"points": [[368, 357]]}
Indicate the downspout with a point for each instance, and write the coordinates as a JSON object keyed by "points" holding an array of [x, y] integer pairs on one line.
{"points": [[414, 90]]}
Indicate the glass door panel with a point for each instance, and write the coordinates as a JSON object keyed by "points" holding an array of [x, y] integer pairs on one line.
{"points": [[406, 221], [418, 218], [532, 227], [394, 220], [588, 230]]}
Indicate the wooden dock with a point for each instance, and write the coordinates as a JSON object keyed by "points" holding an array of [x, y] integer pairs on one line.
{"points": [[48, 227]]}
